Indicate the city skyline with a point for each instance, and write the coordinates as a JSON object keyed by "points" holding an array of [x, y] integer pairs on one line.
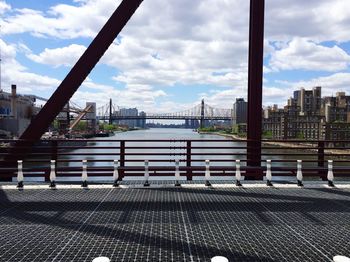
{"points": [[168, 61]]}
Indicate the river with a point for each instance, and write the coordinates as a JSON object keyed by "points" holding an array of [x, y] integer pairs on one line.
{"points": [[171, 134]]}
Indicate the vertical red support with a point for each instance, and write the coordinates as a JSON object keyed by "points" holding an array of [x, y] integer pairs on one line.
{"points": [[188, 160], [321, 159], [122, 159], [255, 83]]}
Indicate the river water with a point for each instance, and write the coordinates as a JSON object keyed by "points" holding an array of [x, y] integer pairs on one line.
{"points": [[171, 134], [95, 156]]}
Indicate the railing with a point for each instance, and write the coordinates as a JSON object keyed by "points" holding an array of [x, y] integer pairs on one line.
{"points": [[163, 154]]}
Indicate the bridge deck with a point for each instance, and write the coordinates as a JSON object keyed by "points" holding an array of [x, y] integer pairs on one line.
{"points": [[168, 224]]}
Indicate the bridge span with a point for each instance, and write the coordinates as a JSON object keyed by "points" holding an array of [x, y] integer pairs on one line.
{"points": [[199, 112]]}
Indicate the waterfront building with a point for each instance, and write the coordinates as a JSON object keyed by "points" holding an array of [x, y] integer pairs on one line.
{"points": [[16, 111], [239, 113], [309, 116], [141, 123], [192, 123], [131, 123]]}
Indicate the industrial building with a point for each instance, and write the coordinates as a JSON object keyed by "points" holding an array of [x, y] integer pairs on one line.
{"points": [[16, 112]]}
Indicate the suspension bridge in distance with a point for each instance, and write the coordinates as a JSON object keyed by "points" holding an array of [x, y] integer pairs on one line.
{"points": [[199, 112]]}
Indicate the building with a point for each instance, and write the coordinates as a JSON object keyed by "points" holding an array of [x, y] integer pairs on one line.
{"points": [[192, 123], [141, 122], [239, 113], [301, 118], [16, 111], [128, 112], [309, 101], [336, 109], [274, 122]]}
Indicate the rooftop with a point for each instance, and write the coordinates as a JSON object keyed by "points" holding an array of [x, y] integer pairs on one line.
{"points": [[164, 223]]}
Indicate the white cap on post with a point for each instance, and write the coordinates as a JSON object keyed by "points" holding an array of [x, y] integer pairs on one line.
{"points": [[101, 259], [341, 259], [219, 259]]}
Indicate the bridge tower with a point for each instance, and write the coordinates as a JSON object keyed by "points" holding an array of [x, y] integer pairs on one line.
{"points": [[110, 121], [202, 114]]}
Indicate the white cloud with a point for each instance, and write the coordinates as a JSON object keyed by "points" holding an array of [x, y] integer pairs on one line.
{"points": [[319, 20], [4, 7], [61, 21], [15, 73], [66, 56], [330, 84], [191, 42], [307, 55]]}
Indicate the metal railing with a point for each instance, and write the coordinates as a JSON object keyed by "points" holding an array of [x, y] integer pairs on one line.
{"points": [[163, 154]]}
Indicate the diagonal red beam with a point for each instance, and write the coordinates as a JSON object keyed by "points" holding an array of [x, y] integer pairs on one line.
{"points": [[81, 69], [255, 81]]}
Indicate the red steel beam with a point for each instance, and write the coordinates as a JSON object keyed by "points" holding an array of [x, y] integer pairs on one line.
{"points": [[255, 81], [81, 70]]}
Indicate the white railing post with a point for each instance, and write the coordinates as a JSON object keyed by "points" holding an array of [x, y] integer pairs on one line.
{"points": [[238, 173], [177, 173], [219, 259], [341, 259], [84, 175], [53, 174], [146, 174], [330, 175], [207, 173], [299, 173], [115, 173], [101, 259], [268, 173], [20, 177]]}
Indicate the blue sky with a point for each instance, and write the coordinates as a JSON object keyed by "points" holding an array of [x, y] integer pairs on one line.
{"points": [[174, 53]]}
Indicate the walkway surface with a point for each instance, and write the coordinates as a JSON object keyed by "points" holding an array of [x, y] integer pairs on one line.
{"points": [[175, 224]]}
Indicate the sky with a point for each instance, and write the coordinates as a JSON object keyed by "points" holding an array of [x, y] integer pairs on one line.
{"points": [[172, 54]]}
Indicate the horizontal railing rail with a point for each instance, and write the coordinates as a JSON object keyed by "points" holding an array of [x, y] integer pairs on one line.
{"points": [[162, 156]]}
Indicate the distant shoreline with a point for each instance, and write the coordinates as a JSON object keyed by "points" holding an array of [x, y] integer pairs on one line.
{"points": [[336, 152]]}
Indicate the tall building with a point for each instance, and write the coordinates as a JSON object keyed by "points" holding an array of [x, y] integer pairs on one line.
{"points": [[336, 109], [239, 112], [131, 123], [141, 122], [309, 101]]}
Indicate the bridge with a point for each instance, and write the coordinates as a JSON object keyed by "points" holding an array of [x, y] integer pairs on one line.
{"points": [[199, 112], [186, 223]]}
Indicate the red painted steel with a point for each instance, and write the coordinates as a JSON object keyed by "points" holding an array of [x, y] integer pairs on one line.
{"points": [[255, 81], [81, 70], [126, 151]]}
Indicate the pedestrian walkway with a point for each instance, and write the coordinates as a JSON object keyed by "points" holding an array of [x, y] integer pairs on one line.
{"points": [[175, 224]]}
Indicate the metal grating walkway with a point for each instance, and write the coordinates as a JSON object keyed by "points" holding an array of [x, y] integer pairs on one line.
{"points": [[169, 224]]}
